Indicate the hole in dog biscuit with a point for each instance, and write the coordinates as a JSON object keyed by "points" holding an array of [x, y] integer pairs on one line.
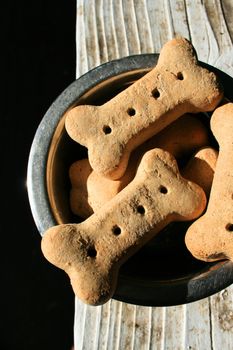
{"points": [[91, 252], [163, 189], [141, 209], [131, 112], [229, 227], [107, 130], [116, 230], [155, 93], [180, 76]]}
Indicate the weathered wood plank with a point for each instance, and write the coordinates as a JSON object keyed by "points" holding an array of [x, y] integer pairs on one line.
{"points": [[174, 331], [227, 8], [109, 29], [92, 322], [81, 49], [157, 337], [200, 30], [218, 25], [142, 333], [120, 29], [144, 28], [131, 27], [222, 319], [104, 322], [79, 323], [158, 23], [92, 47], [127, 333], [101, 33], [178, 20], [114, 325], [198, 333]]}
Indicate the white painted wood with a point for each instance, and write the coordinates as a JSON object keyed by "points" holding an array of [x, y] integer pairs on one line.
{"points": [[174, 327], [157, 336], [177, 18], [158, 23], [142, 333], [109, 29], [114, 325], [81, 48], [127, 330], [104, 322], [120, 28], [143, 26], [92, 322], [222, 319], [198, 329]]}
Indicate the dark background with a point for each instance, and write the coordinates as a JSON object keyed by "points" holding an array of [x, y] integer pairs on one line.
{"points": [[38, 51]]}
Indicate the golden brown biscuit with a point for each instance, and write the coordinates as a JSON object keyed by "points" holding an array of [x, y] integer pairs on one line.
{"points": [[201, 167], [92, 252], [177, 85], [210, 237], [79, 198]]}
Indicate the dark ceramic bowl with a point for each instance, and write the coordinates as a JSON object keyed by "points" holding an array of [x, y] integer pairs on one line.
{"points": [[163, 272]]}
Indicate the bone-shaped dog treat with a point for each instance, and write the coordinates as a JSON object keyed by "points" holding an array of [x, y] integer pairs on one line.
{"points": [[90, 191], [177, 85], [210, 237], [92, 252], [89, 194], [79, 172], [201, 167]]}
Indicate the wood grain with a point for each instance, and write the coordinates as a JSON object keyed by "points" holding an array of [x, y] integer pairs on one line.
{"points": [[109, 29]]}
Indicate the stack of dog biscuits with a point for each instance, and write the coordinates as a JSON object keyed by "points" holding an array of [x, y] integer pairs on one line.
{"points": [[134, 182], [90, 190]]}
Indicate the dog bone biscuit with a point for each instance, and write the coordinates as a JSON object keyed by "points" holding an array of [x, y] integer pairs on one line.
{"points": [[92, 252], [210, 237], [90, 192], [201, 167], [177, 85], [79, 173]]}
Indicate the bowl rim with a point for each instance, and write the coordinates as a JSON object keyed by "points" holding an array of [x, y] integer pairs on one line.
{"points": [[130, 290]]}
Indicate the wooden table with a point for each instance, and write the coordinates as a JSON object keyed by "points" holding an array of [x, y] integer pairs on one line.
{"points": [[110, 29]]}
